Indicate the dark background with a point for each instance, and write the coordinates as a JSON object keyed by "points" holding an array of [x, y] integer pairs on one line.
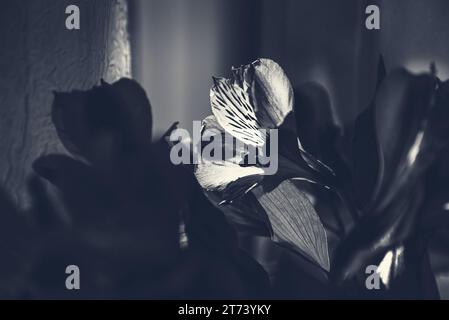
{"points": [[177, 45]]}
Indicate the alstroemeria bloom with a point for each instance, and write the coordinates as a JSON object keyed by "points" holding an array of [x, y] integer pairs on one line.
{"points": [[259, 97], [381, 164]]}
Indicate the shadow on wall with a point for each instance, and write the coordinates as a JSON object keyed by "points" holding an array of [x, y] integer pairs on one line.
{"points": [[178, 45], [38, 56]]}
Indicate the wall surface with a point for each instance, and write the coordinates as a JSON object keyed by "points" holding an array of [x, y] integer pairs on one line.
{"points": [[38, 55], [177, 47]]}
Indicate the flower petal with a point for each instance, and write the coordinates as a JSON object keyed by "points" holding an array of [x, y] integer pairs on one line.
{"points": [[231, 149], [401, 107], [270, 90], [218, 175], [364, 150], [235, 113], [434, 139], [408, 140], [388, 136], [317, 128], [259, 96], [210, 123], [105, 120], [316, 125]]}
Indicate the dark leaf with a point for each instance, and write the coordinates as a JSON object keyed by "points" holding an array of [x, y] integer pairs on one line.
{"points": [[292, 276], [295, 222], [415, 279], [436, 132], [365, 152], [377, 232], [315, 121], [365, 155], [245, 214], [401, 107]]}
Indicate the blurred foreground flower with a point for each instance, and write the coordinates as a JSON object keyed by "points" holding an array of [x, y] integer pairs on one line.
{"points": [[116, 212]]}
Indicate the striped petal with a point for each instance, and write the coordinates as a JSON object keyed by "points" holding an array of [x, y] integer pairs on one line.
{"points": [[258, 97], [218, 175], [235, 113], [269, 89]]}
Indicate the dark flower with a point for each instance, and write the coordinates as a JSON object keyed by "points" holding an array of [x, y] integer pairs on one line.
{"points": [[119, 211]]}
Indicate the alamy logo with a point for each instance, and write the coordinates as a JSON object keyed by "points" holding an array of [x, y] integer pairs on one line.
{"points": [[219, 147], [372, 22], [373, 279], [72, 22], [72, 282]]}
